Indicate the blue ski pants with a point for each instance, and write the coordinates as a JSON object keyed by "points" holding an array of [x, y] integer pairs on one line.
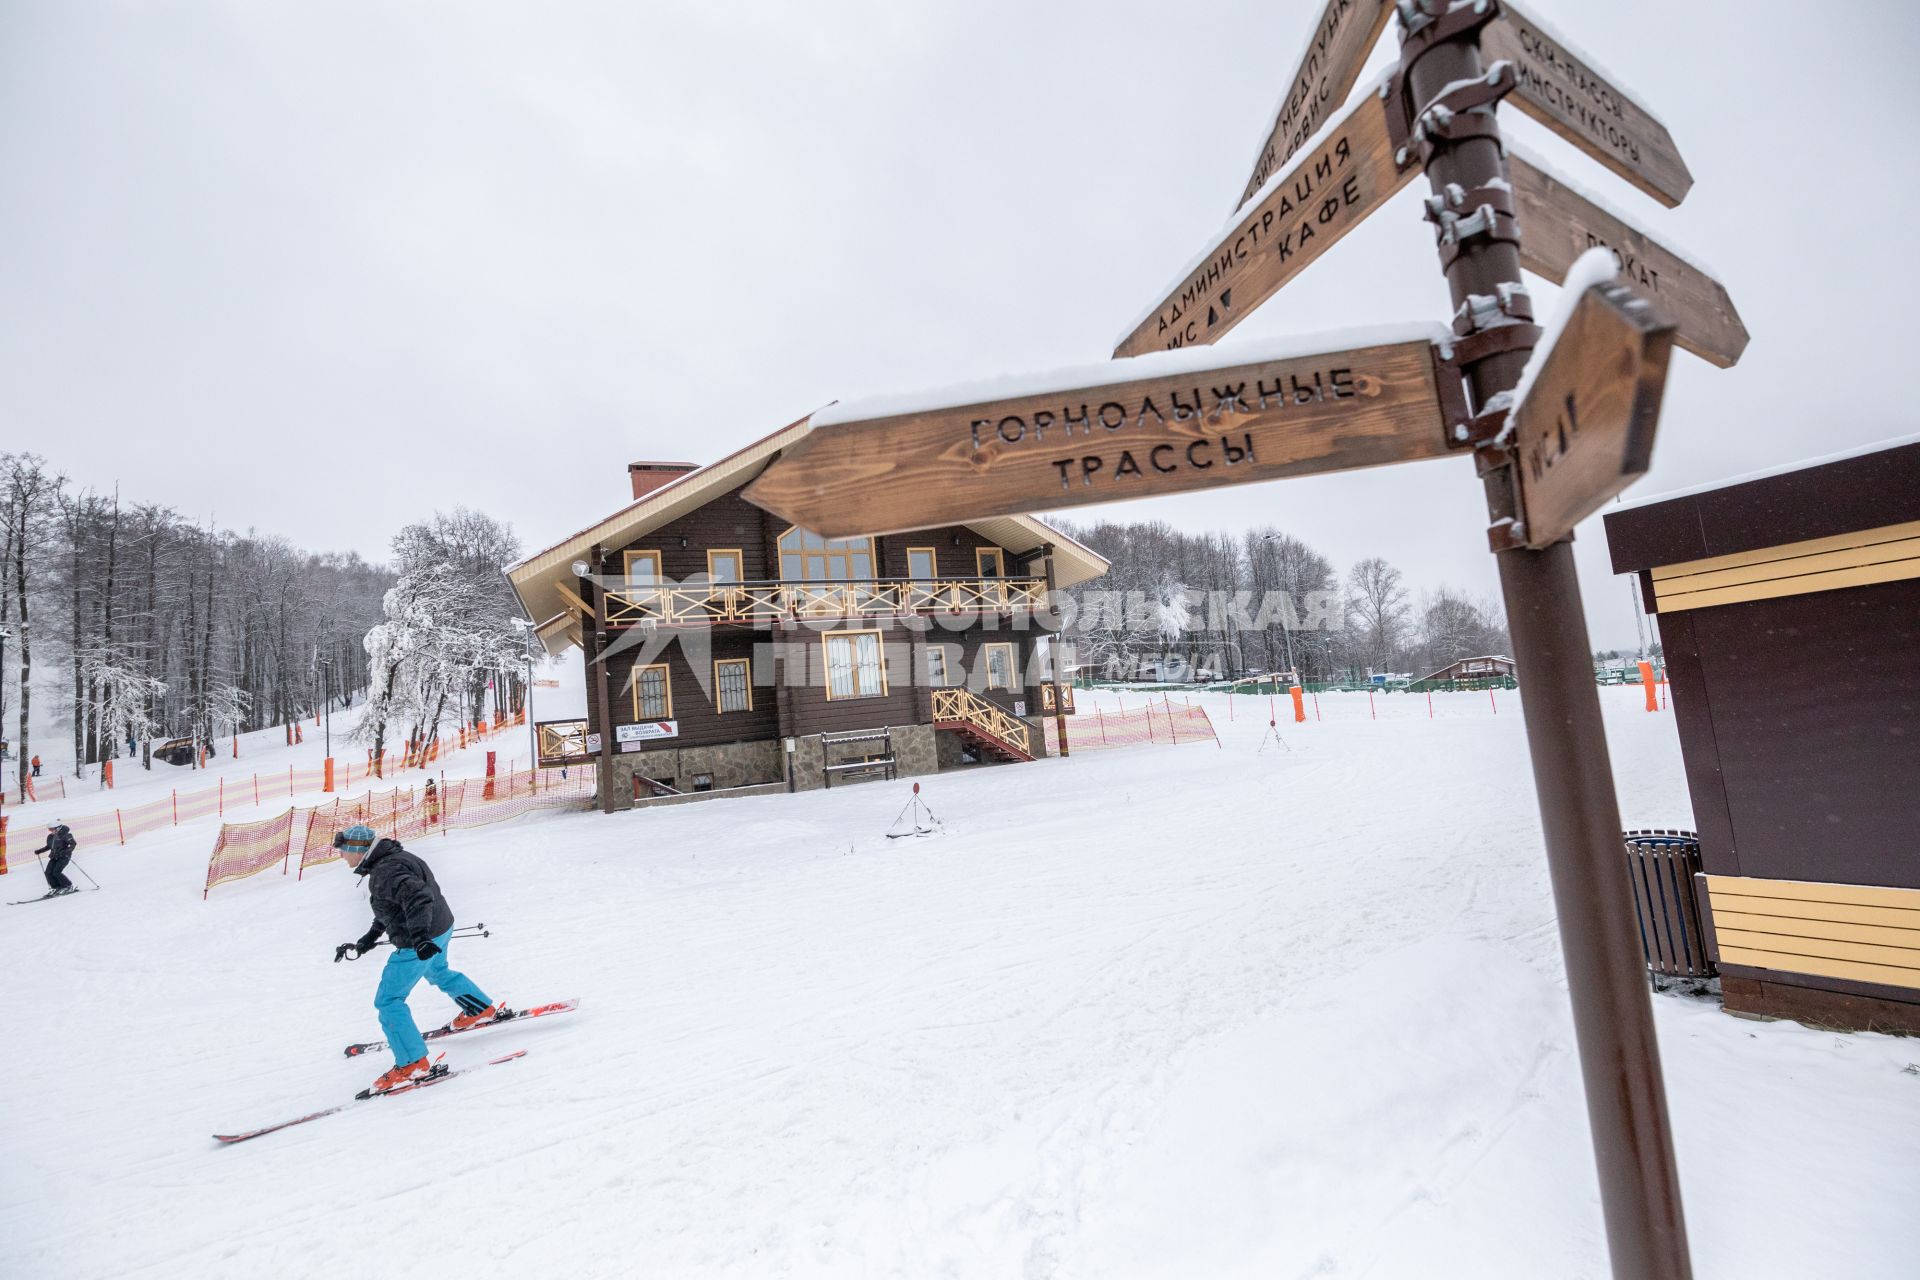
{"points": [[403, 972]]}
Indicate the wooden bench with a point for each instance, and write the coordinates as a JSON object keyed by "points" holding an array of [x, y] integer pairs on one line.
{"points": [[883, 765]]}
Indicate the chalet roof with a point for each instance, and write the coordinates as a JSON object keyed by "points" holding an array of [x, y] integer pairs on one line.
{"points": [[540, 578]]}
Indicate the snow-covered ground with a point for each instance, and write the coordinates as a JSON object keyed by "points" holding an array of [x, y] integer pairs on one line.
{"points": [[1165, 1011]]}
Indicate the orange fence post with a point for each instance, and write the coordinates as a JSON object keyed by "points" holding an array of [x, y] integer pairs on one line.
{"points": [[176, 807], [326, 774], [106, 774], [1316, 708], [1429, 704], [119, 822], [1299, 705], [1371, 713], [220, 799], [256, 786], [1646, 683], [1495, 701], [488, 793], [3, 844]]}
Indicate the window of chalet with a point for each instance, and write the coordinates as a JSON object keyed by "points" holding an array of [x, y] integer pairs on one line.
{"points": [[999, 659], [937, 668], [807, 557], [733, 685], [724, 566], [652, 693], [855, 668], [923, 564], [643, 569], [990, 562]]}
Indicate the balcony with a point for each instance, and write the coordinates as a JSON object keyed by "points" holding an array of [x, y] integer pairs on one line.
{"points": [[720, 603]]}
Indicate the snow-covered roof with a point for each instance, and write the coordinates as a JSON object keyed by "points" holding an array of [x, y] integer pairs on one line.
{"points": [[544, 579]]}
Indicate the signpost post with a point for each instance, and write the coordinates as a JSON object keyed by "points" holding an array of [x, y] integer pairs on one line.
{"points": [[1582, 429]]}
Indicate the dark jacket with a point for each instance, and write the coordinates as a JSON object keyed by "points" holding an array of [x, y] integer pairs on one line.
{"points": [[407, 905], [60, 843]]}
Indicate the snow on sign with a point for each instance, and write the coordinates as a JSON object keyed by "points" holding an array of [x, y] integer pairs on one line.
{"points": [[1165, 423], [1331, 184], [1558, 224], [1329, 66], [1564, 91], [1584, 428]]}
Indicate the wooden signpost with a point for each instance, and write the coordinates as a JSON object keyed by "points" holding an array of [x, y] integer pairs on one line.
{"points": [[1159, 424], [1178, 420], [1562, 90], [1329, 67], [1558, 224], [1326, 190], [1585, 430]]}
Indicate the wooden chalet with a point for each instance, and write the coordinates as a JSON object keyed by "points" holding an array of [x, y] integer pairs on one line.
{"points": [[1789, 611], [727, 650]]}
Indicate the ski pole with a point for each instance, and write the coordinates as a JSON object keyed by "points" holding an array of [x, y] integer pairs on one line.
{"points": [[465, 931], [83, 871]]}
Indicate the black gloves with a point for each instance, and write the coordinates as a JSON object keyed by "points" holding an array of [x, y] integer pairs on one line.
{"points": [[427, 950], [368, 940], [340, 952]]}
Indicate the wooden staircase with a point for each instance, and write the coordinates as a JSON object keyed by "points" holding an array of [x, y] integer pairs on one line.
{"points": [[989, 729]]}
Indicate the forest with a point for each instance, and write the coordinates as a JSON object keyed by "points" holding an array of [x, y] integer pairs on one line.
{"points": [[142, 625]]}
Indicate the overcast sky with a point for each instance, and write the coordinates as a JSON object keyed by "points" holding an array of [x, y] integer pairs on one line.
{"points": [[318, 269]]}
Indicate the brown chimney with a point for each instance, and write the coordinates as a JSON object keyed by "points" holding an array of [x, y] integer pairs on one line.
{"points": [[648, 476]]}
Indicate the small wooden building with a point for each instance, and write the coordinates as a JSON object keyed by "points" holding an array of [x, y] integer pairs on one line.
{"points": [[1789, 609], [725, 649], [1488, 668]]}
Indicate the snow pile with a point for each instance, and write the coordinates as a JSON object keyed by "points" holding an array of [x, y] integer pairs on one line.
{"points": [[1186, 1011]]}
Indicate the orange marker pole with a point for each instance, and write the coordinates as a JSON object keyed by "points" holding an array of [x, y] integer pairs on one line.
{"points": [[1646, 683], [1299, 705]]}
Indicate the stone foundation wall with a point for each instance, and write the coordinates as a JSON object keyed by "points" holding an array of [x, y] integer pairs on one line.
{"points": [[729, 765]]}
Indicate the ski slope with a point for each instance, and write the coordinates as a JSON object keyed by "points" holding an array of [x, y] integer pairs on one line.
{"points": [[1163, 1011]]}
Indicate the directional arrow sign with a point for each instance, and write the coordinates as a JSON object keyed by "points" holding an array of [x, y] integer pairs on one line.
{"points": [[1335, 52], [1563, 91], [1558, 224], [1166, 423], [1584, 428], [1328, 188]]}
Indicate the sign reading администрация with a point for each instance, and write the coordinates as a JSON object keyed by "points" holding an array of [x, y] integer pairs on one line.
{"points": [[1164, 423]]}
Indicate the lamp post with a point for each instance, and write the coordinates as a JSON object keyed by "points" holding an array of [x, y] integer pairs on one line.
{"points": [[6, 634], [525, 628]]}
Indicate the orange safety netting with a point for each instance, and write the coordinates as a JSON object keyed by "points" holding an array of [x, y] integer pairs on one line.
{"points": [[404, 814], [1163, 723], [37, 789], [229, 792]]}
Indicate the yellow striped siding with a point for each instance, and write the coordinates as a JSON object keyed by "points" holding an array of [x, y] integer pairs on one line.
{"points": [[1866, 933], [1887, 554]]}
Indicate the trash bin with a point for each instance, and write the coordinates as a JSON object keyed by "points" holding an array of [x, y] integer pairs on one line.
{"points": [[1661, 866]]}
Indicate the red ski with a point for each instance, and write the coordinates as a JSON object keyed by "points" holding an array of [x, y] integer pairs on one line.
{"points": [[440, 1072], [438, 1033]]}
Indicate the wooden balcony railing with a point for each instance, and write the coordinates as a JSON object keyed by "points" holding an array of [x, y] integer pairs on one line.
{"points": [[1047, 697], [958, 706], [697, 603]]}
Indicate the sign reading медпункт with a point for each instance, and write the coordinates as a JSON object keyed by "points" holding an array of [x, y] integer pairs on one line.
{"points": [[1167, 423]]}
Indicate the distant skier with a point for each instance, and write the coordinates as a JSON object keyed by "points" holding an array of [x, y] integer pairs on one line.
{"points": [[408, 908], [60, 844], [36, 766]]}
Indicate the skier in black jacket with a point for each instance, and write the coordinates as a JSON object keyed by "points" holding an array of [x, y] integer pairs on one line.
{"points": [[408, 908], [60, 843]]}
